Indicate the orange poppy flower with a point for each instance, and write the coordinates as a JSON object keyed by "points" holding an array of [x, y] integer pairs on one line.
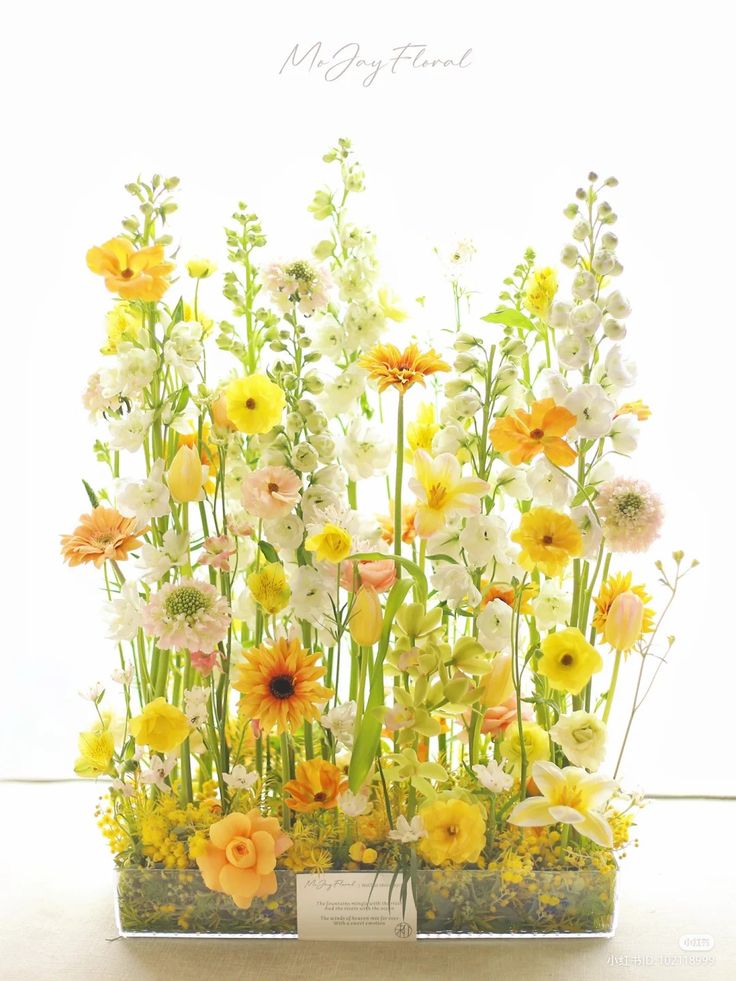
{"points": [[280, 685], [317, 786], [134, 274], [392, 368], [104, 534], [525, 434], [508, 596]]}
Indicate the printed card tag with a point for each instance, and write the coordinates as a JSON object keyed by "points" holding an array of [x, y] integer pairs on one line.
{"points": [[353, 906]]}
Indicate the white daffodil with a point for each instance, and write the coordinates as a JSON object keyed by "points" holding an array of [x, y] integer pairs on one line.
{"points": [[493, 777], [568, 796], [408, 831], [582, 738]]}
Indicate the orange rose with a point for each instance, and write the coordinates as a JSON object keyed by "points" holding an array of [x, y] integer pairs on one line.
{"points": [[240, 857]]}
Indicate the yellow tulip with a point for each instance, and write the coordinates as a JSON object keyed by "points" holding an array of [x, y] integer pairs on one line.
{"points": [[366, 617], [185, 477], [624, 621], [497, 684]]}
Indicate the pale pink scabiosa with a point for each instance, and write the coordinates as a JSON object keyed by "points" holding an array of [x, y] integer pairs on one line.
{"points": [[298, 284], [217, 553], [630, 514], [270, 492], [190, 614]]}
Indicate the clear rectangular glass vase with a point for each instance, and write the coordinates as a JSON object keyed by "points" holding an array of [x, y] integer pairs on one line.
{"points": [[451, 903]]}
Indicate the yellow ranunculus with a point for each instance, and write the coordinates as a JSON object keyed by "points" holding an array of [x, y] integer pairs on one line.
{"points": [[96, 748], [201, 268], [160, 726], [568, 660], [456, 832], [536, 745], [254, 404], [366, 617], [332, 544], [269, 588], [186, 475]]}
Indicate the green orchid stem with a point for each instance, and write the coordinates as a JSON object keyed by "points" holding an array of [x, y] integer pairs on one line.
{"points": [[399, 478], [612, 687]]}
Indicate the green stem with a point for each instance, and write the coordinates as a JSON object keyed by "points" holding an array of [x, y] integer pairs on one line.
{"points": [[399, 478], [612, 687]]}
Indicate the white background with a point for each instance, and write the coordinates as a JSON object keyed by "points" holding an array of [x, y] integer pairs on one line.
{"points": [[95, 94]]}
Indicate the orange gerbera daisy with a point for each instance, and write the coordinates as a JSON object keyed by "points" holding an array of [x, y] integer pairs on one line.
{"points": [[104, 534], [317, 786], [134, 274], [280, 685], [393, 368], [614, 586], [525, 434]]}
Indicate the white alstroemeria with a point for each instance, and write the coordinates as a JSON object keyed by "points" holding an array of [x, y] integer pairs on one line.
{"points": [[548, 485], [512, 481], [364, 323], [408, 831], [585, 319], [341, 393], [590, 530], [239, 778], [493, 777], [147, 498], [625, 433], [354, 805], [183, 350], [445, 542], [559, 314], [156, 562], [328, 336], [123, 614], [286, 533], [574, 350], [123, 676], [132, 371], [594, 411], [449, 439], [93, 693], [129, 431], [195, 705], [158, 771], [553, 385], [620, 371], [340, 720], [617, 305], [454, 586], [494, 626], [366, 450], [484, 538], [582, 737], [552, 605]]}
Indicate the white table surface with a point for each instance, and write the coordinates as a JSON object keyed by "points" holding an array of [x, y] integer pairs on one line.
{"points": [[57, 914]]}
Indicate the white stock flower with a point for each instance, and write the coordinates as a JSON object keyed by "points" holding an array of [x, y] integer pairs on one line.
{"points": [[366, 450], [484, 538], [123, 614], [585, 318], [552, 605], [147, 498], [454, 585], [589, 529], [355, 278], [408, 831], [593, 409], [341, 393], [132, 371], [340, 720], [287, 532], [494, 626], [582, 737], [548, 486], [129, 431], [574, 350], [354, 805], [156, 562], [239, 778], [583, 285], [183, 350], [559, 314], [363, 324], [625, 433], [493, 777]]}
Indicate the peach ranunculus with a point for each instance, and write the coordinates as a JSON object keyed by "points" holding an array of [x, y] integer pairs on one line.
{"points": [[271, 492], [240, 857], [378, 573], [134, 274], [497, 719]]}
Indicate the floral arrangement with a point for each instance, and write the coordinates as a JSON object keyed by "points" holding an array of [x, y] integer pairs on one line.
{"points": [[370, 595]]}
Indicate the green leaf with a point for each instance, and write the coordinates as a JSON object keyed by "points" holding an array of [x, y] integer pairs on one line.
{"points": [[177, 313], [509, 318], [369, 734], [93, 500], [269, 552]]}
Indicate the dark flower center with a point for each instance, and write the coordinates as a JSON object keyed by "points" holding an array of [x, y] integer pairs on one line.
{"points": [[547, 540], [536, 433], [250, 403], [272, 488], [567, 659], [282, 686], [320, 796]]}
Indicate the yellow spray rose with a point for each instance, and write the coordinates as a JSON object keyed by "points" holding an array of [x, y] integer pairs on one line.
{"points": [[456, 832], [536, 744], [568, 660], [254, 404], [332, 544], [269, 588], [160, 726]]}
